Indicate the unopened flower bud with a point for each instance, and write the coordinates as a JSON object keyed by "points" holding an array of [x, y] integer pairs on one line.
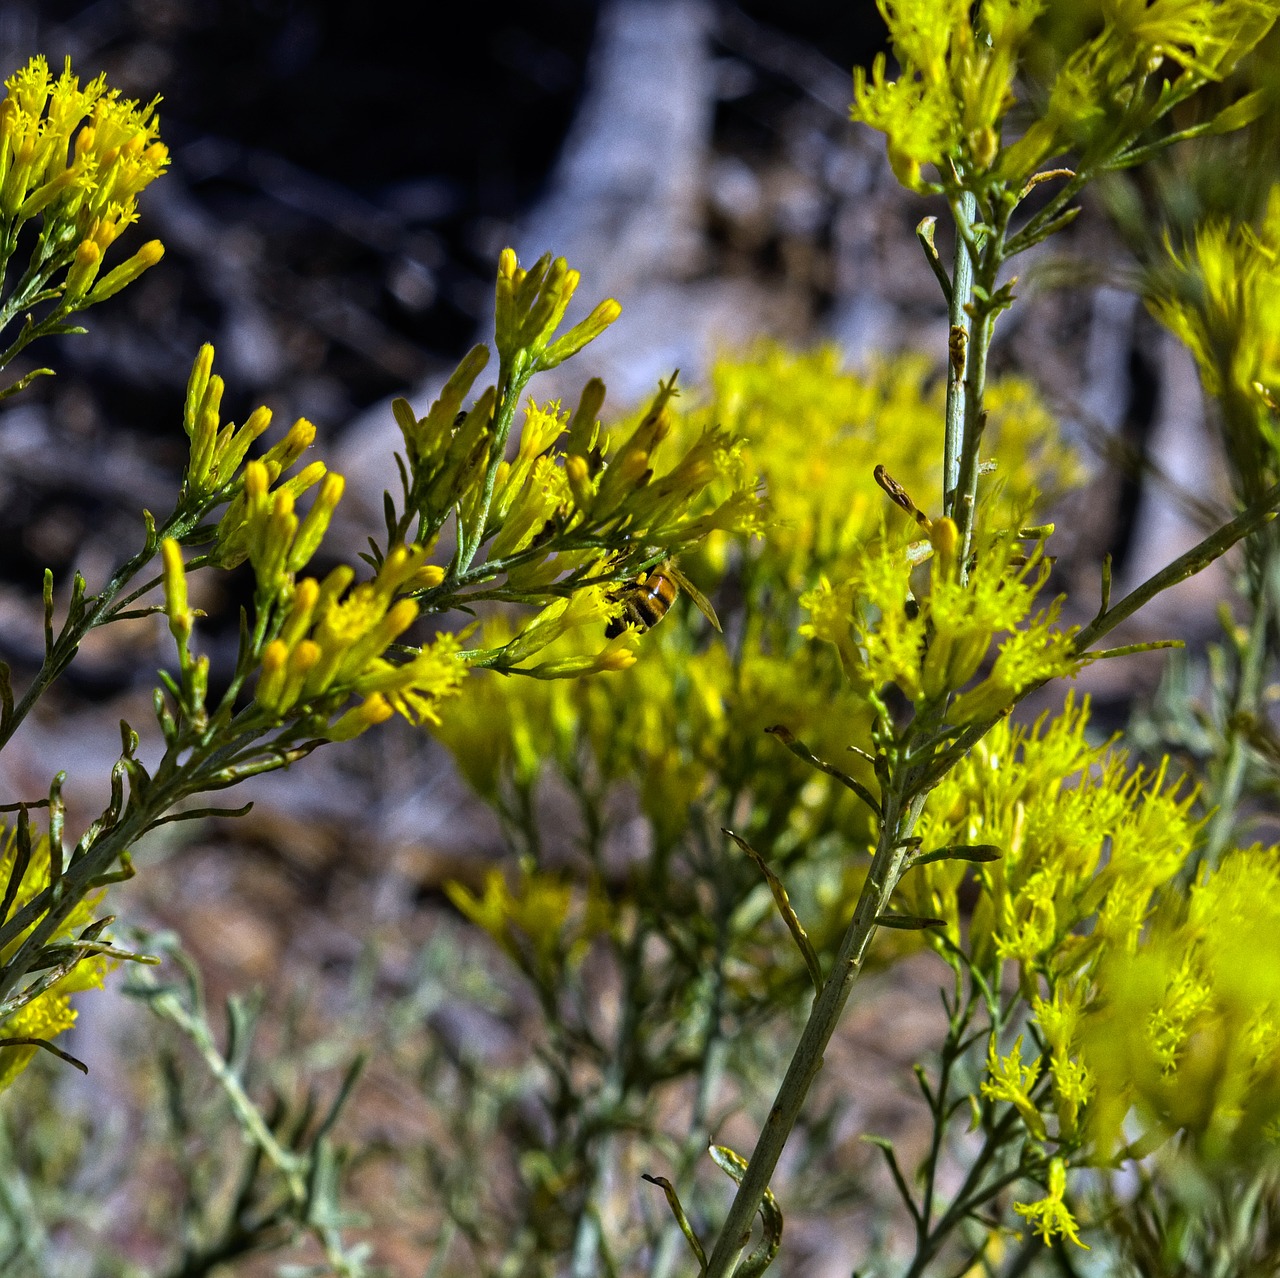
{"points": [[143, 260]]}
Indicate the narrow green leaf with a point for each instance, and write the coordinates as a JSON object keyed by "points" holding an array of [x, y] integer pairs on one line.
{"points": [[57, 820], [21, 859], [908, 922], [48, 1047], [789, 917], [48, 613], [802, 751], [1129, 648], [196, 814], [673, 1201], [961, 852], [23, 382]]}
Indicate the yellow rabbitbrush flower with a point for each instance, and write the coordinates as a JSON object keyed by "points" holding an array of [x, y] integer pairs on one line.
{"points": [[49, 1013], [929, 643], [1221, 296], [815, 430], [333, 644], [1050, 1217], [1183, 1033], [959, 62], [544, 923], [80, 157], [1087, 843]]}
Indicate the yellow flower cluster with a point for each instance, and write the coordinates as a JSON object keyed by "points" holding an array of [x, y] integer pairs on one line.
{"points": [[333, 643], [1184, 1032], [544, 923], [816, 430], [1050, 1217], [685, 724], [932, 645], [1222, 298], [49, 1013], [958, 65], [260, 524], [530, 305], [81, 157], [1087, 841]]}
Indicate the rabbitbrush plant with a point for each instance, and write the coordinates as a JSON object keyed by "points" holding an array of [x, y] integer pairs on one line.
{"points": [[714, 838]]}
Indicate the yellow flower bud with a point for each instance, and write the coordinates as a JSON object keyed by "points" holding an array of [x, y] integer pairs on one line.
{"points": [[301, 611], [579, 477], [372, 710], [175, 592], [271, 676], [302, 661], [143, 260], [83, 269], [427, 577], [580, 334], [313, 528]]}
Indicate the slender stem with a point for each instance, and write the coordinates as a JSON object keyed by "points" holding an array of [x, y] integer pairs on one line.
{"points": [[168, 1005], [714, 1052], [98, 611], [958, 320], [1200, 556], [886, 867], [1248, 690], [513, 381]]}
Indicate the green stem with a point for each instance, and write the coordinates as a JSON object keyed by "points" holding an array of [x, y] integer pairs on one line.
{"points": [[972, 1194], [513, 381], [886, 867], [291, 1166], [97, 613], [958, 320], [587, 1239]]}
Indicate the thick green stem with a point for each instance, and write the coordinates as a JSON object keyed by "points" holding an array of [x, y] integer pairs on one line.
{"points": [[958, 320], [886, 867]]}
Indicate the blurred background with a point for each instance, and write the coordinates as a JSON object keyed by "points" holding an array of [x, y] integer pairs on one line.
{"points": [[339, 193]]}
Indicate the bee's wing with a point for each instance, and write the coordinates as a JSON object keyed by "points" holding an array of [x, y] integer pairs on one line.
{"points": [[702, 602]]}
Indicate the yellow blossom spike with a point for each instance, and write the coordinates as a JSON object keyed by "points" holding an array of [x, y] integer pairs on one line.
{"points": [[302, 661], [302, 434], [306, 596]]}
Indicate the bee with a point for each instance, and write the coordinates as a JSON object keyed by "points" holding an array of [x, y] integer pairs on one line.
{"points": [[647, 599]]}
